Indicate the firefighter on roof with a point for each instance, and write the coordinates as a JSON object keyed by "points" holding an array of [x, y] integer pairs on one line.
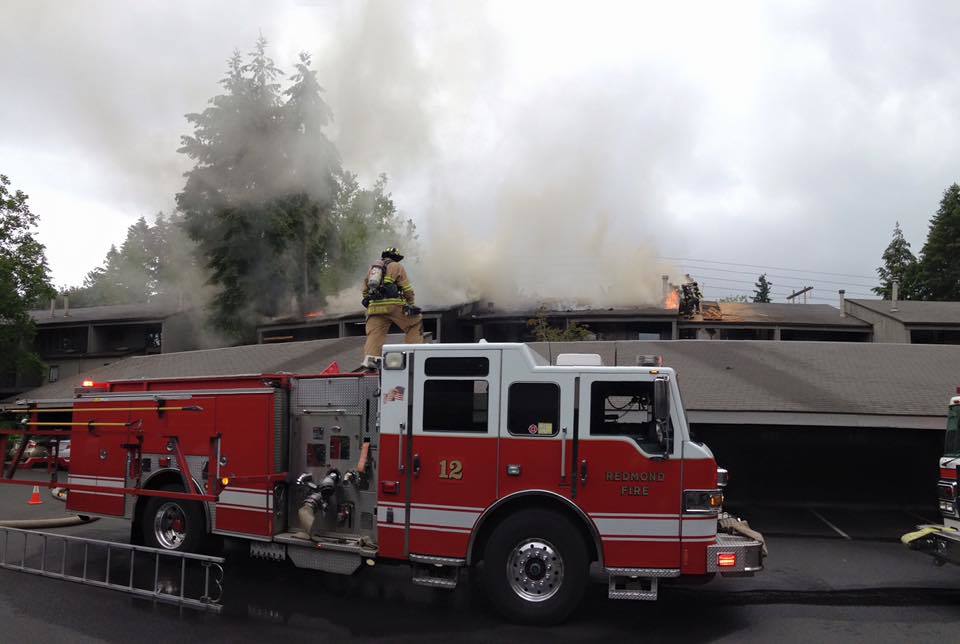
{"points": [[389, 299]]}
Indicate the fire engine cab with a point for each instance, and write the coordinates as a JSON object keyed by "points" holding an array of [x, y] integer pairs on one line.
{"points": [[452, 456]]}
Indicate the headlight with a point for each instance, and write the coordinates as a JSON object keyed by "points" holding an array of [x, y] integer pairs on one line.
{"points": [[947, 491], [702, 501]]}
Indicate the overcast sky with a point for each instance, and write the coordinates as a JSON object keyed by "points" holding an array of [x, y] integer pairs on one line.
{"points": [[777, 134]]}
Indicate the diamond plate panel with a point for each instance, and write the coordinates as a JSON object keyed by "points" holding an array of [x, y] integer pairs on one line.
{"points": [[341, 563], [749, 554]]}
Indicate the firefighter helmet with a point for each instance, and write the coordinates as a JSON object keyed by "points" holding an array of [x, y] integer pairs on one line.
{"points": [[392, 253]]}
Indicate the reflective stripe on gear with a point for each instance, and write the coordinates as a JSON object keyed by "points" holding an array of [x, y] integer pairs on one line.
{"points": [[383, 307]]}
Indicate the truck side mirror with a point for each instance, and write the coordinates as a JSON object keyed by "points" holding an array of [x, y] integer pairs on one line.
{"points": [[661, 401], [661, 414]]}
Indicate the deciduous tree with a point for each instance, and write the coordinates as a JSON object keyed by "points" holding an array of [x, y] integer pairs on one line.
{"points": [[24, 280]]}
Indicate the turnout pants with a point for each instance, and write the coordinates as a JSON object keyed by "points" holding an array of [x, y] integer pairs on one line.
{"points": [[378, 326]]}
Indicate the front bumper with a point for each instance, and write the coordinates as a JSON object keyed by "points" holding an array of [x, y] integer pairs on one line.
{"points": [[735, 554], [938, 541]]}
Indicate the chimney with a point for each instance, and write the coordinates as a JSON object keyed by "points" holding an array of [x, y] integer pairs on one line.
{"points": [[894, 293], [665, 288], [843, 303], [53, 307], [66, 306]]}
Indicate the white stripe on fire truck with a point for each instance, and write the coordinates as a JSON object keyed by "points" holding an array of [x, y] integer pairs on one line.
{"points": [[246, 499], [433, 528], [430, 506], [444, 518], [399, 515], [227, 506], [611, 515], [428, 519], [655, 528], [101, 481], [116, 496]]}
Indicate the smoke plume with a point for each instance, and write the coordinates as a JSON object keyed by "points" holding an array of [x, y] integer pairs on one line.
{"points": [[550, 195]]}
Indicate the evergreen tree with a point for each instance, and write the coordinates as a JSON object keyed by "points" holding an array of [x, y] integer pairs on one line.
{"points": [[938, 271], [276, 220], [24, 280], [899, 264], [257, 199], [762, 292]]}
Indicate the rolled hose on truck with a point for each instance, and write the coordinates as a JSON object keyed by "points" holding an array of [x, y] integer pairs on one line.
{"points": [[58, 522]]}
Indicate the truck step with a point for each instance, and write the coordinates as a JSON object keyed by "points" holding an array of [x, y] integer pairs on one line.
{"points": [[436, 572], [636, 588], [352, 545]]}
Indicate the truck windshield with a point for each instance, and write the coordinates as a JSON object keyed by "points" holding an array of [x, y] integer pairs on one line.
{"points": [[952, 444]]}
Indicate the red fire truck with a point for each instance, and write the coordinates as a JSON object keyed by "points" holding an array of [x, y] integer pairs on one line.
{"points": [[453, 455], [942, 542]]}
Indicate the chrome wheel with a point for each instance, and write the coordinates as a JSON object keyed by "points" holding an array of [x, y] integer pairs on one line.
{"points": [[535, 570], [170, 526]]}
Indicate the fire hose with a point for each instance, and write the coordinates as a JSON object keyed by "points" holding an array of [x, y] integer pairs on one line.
{"points": [[59, 494], [36, 524], [318, 499]]}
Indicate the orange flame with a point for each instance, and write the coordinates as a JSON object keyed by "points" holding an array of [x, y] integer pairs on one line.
{"points": [[672, 300], [313, 314]]}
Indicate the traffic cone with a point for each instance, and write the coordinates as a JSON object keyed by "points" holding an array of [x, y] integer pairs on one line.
{"points": [[35, 497]]}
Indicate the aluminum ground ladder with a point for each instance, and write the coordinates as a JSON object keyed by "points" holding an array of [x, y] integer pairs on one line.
{"points": [[180, 578]]}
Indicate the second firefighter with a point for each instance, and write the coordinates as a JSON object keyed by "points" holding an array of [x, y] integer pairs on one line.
{"points": [[389, 299]]}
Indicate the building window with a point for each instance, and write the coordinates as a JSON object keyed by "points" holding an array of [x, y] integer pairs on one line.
{"points": [[53, 374], [533, 409], [455, 405], [624, 408], [470, 367]]}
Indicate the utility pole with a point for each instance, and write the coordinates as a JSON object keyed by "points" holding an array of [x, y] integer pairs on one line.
{"points": [[792, 297]]}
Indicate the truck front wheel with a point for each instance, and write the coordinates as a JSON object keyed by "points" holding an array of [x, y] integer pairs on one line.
{"points": [[173, 524], [535, 567]]}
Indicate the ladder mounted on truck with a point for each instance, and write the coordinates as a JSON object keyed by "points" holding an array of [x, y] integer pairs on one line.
{"points": [[26, 429], [179, 578]]}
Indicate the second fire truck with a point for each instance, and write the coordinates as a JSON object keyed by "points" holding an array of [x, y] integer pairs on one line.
{"points": [[942, 542], [454, 455]]}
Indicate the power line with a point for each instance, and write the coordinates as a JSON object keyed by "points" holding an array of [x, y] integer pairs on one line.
{"points": [[786, 277], [724, 289], [702, 279], [776, 268]]}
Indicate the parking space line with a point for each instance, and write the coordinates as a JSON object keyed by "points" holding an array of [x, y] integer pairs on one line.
{"points": [[835, 528]]}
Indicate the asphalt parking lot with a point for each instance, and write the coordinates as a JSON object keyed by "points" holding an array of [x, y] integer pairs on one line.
{"points": [[833, 574], [874, 523]]}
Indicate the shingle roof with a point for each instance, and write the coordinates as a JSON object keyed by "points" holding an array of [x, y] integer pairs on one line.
{"points": [[290, 357], [779, 314], [715, 375], [83, 315], [630, 312], [912, 312], [811, 377]]}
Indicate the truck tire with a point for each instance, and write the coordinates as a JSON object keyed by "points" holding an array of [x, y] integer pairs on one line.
{"points": [[535, 567], [173, 524]]}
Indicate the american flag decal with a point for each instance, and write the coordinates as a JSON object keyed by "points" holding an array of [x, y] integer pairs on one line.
{"points": [[394, 394]]}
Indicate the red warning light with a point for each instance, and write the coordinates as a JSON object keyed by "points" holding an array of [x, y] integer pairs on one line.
{"points": [[726, 560]]}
